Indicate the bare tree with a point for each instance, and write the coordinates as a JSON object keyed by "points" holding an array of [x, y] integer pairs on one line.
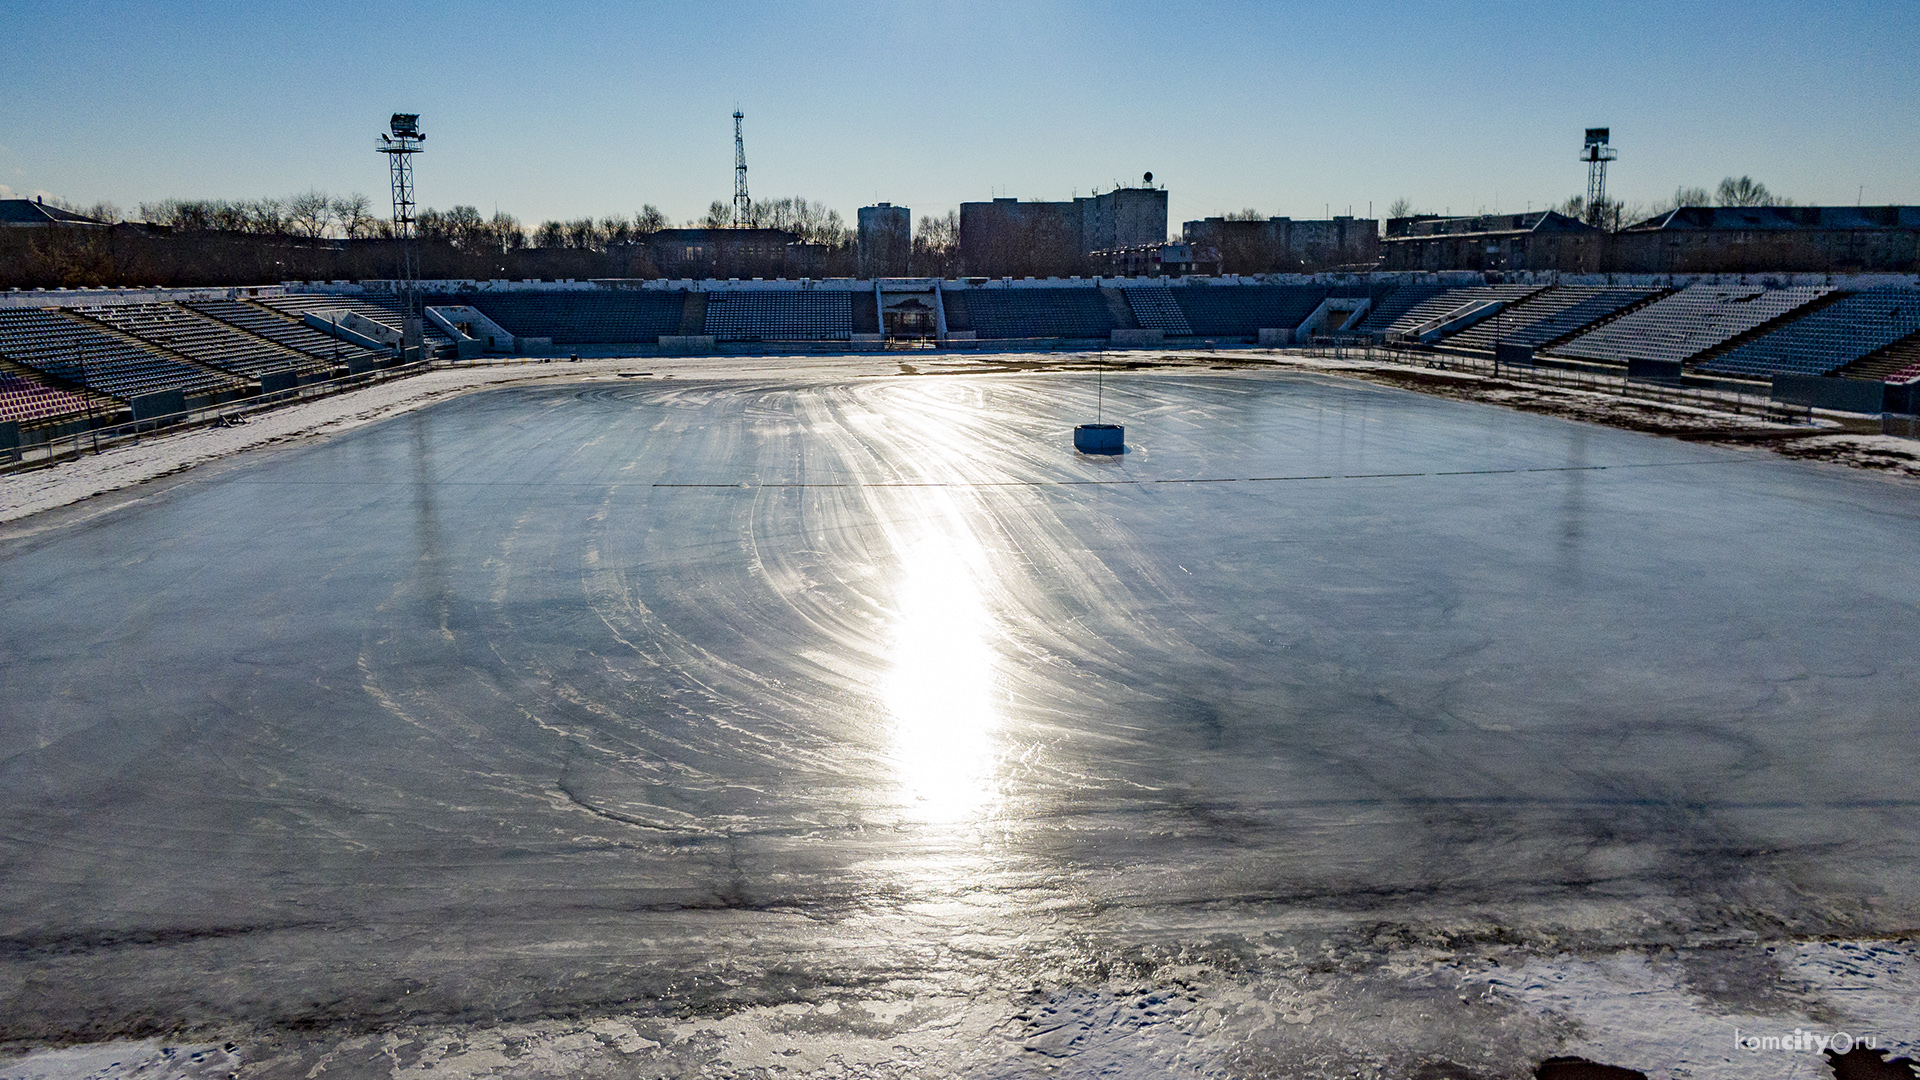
{"points": [[936, 245], [1607, 214], [1691, 196], [1746, 191], [1249, 214], [649, 220], [504, 233], [1400, 207], [616, 229], [310, 214], [267, 217], [355, 214]]}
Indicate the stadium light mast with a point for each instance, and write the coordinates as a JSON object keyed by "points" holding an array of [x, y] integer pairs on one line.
{"points": [[401, 142], [1596, 154], [742, 205]]}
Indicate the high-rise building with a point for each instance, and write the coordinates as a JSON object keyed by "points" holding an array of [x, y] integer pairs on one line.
{"points": [[886, 240], [1007, 237]]}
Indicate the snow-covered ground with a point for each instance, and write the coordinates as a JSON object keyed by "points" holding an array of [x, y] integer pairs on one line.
{"points": [[1743, 1012]]}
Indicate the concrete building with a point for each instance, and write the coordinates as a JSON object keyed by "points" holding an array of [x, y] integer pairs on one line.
{"points": [[727, 253], [885, 240], [1751, 239], [1174, 258], [1542, 240], [1283, 245], [1007, 237]]}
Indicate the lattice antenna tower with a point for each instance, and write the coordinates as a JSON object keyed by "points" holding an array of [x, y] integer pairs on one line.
{"points": [[1596, 154], [401, 142], [742, 204]]}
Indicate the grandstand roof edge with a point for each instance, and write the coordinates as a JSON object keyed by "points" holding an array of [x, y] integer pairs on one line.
{"points": [[67, 298]]}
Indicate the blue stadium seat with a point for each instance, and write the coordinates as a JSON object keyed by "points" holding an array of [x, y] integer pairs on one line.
{"points": [[1830, 338]]}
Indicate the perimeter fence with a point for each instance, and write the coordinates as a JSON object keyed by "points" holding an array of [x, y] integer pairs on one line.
{"points": [[1718, 398], [73, 444]]}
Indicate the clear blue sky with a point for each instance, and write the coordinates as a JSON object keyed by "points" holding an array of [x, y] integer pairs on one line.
{"points": [[561, 109]]}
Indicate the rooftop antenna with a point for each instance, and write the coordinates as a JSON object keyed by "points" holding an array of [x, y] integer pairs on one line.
{"points": [[401, 142], [1596, 153], [742, 205]]}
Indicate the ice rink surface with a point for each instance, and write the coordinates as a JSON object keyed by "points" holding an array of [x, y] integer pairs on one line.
{"points": [[685, 701]]}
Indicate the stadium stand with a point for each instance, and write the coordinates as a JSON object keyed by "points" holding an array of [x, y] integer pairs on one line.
{"points": [[1039, 313], [615, 317], [1389, 308], [1828, 339], [204, 340], [764, 315], [280, 329], [27, 399], [1245, 310], [1689, 322], [1896, 363], [1546, 316], [1453, 299], [1155, 309], [380, 309], [50, 342]]}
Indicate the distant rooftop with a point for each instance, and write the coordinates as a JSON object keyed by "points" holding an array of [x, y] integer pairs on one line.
{"points": [[1751, 218], [1484, 224], [34, 212]]}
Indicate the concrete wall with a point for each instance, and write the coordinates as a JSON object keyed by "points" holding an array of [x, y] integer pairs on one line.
{"points": [[1821, 392]]}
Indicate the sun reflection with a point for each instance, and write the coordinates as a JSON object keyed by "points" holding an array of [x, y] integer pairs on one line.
{"points": [[941, 690]]}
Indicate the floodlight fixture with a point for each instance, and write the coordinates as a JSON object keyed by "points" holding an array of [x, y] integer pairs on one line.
{"points": [[400, 144], [1596, 153]]}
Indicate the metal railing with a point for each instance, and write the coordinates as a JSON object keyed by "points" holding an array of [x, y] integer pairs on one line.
{"points": [[1717, 398], [93, 440]]}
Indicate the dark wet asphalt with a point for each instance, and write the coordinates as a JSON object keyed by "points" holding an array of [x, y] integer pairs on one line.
{"points": [[666, 696]]}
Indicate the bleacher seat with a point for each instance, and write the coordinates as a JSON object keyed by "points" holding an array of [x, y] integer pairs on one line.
{"points": [[1689, 322], [764, 315], [71, 350], [1245, 310], [1895, 362], [612, 317], [28, 400], [1155, 309], [1388, 309], [1450, 300], [202, 339], [1040, 313], [1546, 316], [282, 329], [1828, 339]]}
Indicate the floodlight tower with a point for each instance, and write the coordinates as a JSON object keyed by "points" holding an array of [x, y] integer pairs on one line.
{"points": [[742, 205], [1596, 154], [401, 142]]}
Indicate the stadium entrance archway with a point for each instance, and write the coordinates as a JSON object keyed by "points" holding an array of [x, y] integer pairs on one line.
{"points": [[908, 315]]}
